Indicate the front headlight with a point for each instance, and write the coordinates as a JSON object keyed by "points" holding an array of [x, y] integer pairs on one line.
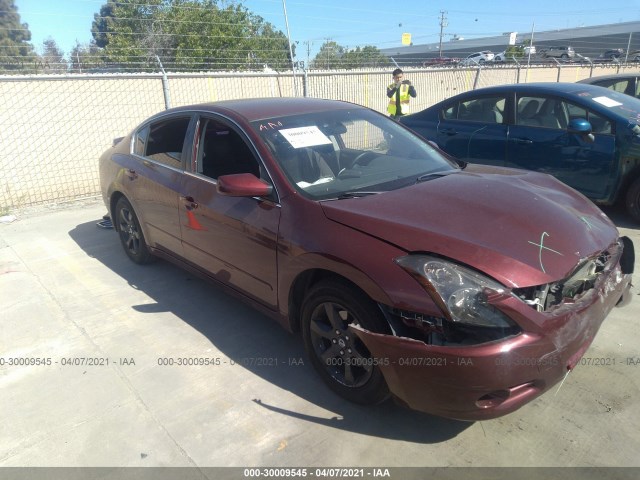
{"points": [[460, 292]]}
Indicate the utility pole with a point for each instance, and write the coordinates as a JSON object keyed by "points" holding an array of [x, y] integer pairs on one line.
{"points": [[533, 28], [293, 67], [443, 23], [308, 44], [327, 40]]}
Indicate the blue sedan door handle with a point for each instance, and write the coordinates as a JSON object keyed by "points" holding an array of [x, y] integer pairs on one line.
{"points": [[448, 131], [523, 141]]}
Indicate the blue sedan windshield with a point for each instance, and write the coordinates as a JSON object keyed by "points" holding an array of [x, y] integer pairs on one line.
{"points": [[614, 103]]}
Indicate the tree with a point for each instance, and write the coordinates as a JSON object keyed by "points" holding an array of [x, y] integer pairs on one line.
{"points": [[104, 24], [52, 59], [365, 57], [16, 53], [187, 35], [330, 56], [123, 29], [86, 58]]}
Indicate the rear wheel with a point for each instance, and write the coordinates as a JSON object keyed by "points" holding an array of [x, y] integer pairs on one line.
{"points": [[564, 56], [632, 200], [340, 357], [130, 233]]}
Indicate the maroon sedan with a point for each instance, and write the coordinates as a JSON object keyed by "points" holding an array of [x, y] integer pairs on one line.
{"points": [[463, 291]]}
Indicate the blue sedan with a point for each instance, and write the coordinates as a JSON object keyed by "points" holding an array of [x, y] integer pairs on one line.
{"points": [[586, 136]]}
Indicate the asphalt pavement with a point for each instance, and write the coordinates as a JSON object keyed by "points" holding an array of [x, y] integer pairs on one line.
{"points": [[104, 363]]}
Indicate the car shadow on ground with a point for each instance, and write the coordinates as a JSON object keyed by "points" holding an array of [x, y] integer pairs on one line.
{"points": [[243, 335]]}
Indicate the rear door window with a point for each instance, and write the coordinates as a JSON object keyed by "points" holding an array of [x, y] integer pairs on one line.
{"points": [[163, 141], [482, 109]]}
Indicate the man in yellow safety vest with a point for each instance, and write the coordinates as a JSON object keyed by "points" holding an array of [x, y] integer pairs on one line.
{"points": [[399, 92]]}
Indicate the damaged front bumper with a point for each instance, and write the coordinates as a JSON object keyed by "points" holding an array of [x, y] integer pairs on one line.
{"points": [[476, 382]]}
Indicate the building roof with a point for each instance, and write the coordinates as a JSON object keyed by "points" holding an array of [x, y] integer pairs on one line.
{"points": [[587, 41]]}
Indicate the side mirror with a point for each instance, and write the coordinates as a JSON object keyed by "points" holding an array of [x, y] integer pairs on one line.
{"points": [[243, 185], [581, 126]]}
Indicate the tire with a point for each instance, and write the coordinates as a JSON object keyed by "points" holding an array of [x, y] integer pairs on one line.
{"points": [[564, 56], [632, 200], [340, 358], [130, 233]]}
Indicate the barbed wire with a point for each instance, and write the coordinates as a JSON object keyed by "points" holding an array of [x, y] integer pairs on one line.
{"points": [[159, 42], [341, 18]]}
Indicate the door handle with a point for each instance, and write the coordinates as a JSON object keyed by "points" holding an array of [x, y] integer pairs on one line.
{"points": [[190, 200], [448, 131], [523, 141]]}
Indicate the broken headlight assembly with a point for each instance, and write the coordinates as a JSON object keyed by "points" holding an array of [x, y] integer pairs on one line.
{"points": [[463, 297]]}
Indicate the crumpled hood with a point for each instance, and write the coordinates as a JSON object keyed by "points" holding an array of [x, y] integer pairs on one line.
{"points": [[521, 228]]}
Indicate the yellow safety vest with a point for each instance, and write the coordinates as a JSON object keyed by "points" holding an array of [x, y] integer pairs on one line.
{"points": [[404, 99]]}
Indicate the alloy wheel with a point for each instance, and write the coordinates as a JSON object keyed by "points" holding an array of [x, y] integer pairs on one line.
{"points": [[343, 355]]}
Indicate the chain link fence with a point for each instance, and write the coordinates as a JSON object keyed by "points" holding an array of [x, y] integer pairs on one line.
{"points": [[53, 129]]}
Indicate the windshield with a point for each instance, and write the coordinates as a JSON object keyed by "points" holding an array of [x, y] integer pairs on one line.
{"points": [[339, 153], [616, 103]]}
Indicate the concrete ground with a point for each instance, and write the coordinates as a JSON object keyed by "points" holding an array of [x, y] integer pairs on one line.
{"points": [[69, 294]]}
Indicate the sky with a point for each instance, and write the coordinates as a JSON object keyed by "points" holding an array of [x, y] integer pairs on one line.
{"points": [[353, 23]]}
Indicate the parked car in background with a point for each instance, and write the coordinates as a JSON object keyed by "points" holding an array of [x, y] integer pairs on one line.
{"points": [[407, 273], [628, 83], [478, 58], [584, 135], [440, 62], [633, 56], [613, 54], [502, 57], [519, 52], [562, 52]]}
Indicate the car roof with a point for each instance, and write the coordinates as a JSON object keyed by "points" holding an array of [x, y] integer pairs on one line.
{"points": [[254, 109], [617, 76], [626, 107], [541, 87]]}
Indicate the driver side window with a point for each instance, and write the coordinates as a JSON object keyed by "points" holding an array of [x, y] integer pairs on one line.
{"points": [[222, 151], [599, 124]]}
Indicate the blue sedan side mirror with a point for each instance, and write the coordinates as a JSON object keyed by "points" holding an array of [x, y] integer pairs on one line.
{"points": [[581, 127]]}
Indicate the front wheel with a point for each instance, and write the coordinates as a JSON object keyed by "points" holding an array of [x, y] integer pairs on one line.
{"points": [[130, 233], [632, 200], [340, 357]]}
